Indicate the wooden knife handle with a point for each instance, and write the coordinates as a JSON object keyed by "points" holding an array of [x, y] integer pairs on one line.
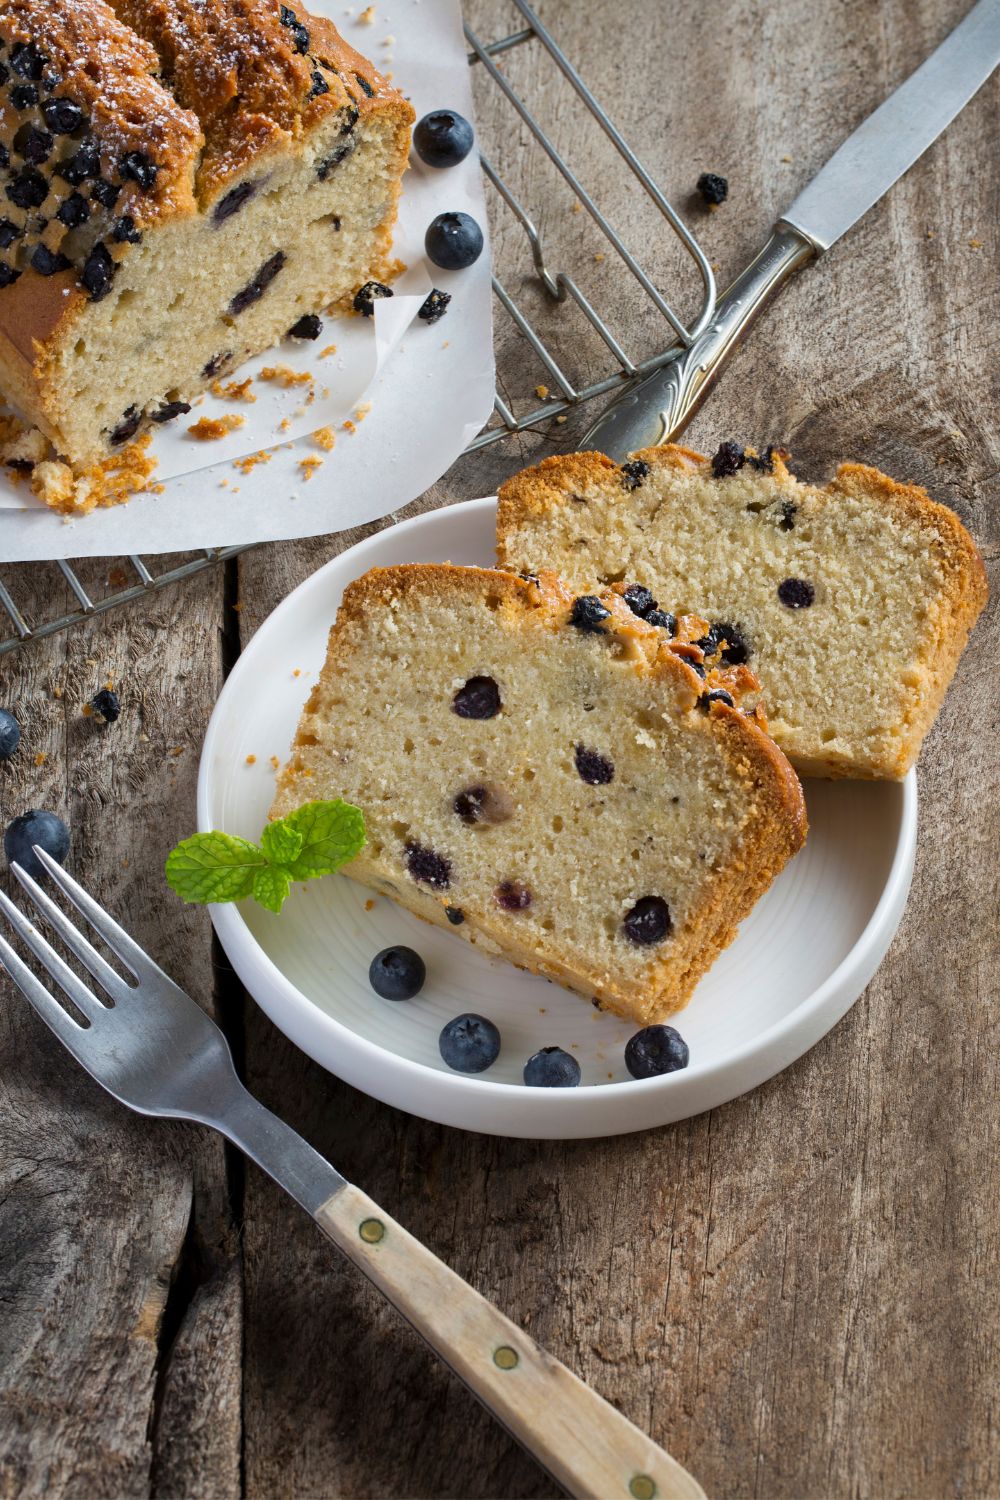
{"points": [[587, 1446]]}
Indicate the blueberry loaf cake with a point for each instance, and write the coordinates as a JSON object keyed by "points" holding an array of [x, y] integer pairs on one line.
{"points": [[181, 182], [852, 603], [548, 776]]}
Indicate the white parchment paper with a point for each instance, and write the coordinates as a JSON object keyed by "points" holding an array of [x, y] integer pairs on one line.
{"points": [[423, 390]]}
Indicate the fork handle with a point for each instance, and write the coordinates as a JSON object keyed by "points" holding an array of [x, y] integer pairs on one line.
{"points": [[655, 410], [585, 1444]]}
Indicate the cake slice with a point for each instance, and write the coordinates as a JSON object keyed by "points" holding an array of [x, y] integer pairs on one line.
{"points": [[181, 182], [548, 776], [851, 602]]}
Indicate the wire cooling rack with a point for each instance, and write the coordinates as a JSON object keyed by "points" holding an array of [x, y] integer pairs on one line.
{"points": [[553, 315]]}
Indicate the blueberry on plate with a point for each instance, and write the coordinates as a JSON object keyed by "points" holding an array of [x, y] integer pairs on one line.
{"points": [[453, 241], [469, 1044], [655, 1050], [10, 734], [397, 973], [46, 830], [552, 1068], [442, 138]]}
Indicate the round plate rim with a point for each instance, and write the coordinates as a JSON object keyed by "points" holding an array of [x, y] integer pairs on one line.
{"points": [[556, 1113]]}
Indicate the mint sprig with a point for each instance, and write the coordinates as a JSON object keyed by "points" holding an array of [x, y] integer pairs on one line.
{"points": [[315, 839]]}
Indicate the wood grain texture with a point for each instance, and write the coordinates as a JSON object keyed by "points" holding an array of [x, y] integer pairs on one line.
{"points": [[796, 1294]]}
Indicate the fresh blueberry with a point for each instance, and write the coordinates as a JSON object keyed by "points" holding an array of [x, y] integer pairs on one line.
{"points": [[107, 704], [442, 138], [648, 921], [552, 1068], [588, 613], [453, 241], [36, 827], [655, 1050], [397, 973], [10, 734], [469, 1044]]}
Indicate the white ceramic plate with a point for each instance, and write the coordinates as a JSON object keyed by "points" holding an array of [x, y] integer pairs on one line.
{"points": [[802, 958]]}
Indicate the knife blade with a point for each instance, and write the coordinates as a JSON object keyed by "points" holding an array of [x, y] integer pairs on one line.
{"points": [[889, 141]]}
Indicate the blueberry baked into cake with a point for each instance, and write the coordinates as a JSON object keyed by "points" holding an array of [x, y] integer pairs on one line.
{"points": [[181, 182], [549, 776], [852, 603]]}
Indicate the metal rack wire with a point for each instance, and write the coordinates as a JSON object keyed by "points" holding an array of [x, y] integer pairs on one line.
{"points": [[131, 577]]}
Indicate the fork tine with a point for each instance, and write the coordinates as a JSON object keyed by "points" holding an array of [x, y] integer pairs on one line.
{"points": [[75, 941], [117, 939], [80, 993], [69, 1032]]}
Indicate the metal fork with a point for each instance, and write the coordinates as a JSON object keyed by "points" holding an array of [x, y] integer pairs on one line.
{"points": [[155, 1050]]}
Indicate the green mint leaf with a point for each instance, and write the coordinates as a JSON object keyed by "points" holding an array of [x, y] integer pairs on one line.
{"points": [[280, 842], [213, 867], [270, 887], [332, 833]]}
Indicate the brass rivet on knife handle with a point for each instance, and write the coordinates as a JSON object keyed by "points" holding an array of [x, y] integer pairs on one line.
{"points": [[583, 1442]]}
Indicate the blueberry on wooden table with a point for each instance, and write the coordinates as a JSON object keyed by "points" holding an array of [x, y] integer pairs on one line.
{"points": [[453, 241], [10, 734], [469, 1043], [552, 1068], [442, 138], [655, 1050], [107, 704], [39, 827], [712, 188], [397, 973]]}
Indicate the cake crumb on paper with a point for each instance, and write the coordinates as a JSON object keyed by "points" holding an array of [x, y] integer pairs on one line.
{"points": [[325, 438], [330, 349], [251, 760], [285, 375], [249, 461], [210, 429], [235, 390], [309, 465], [367, 16], [349, 426], [275, 763]]}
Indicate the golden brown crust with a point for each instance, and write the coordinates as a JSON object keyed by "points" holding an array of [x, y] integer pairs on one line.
{"points": [[549, 486], [775, 817], [252, 79]]}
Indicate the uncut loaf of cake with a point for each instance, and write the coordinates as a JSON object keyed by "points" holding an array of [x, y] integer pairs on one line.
{"points": [[180, 182], [852, 603], [548, 776]]}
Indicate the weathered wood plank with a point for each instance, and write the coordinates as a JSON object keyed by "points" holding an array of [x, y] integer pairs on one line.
{"points": [[100, 1211]]}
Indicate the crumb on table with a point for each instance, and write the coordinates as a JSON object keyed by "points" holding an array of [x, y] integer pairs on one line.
{"points": [[325, 438], [236, 390], [249, 461], [309, 465], [251, 760]]}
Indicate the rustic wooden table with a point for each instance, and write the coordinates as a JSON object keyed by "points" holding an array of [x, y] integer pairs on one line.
{"points": [[797, 1293]]}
